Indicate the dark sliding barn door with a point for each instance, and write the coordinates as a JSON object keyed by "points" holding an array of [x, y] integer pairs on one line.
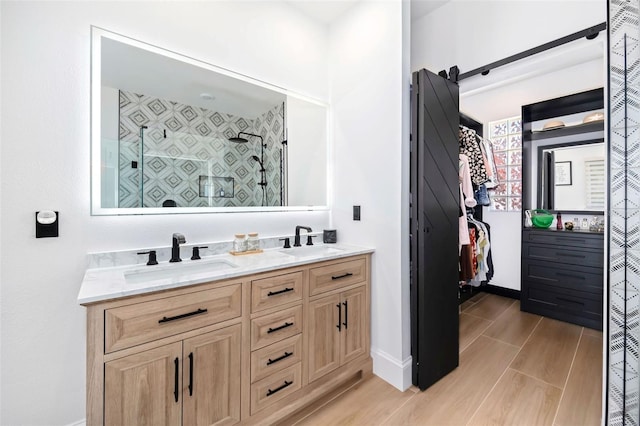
{"points": [[434, 227]]}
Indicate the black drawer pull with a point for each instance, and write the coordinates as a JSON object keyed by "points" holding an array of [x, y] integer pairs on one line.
{"points": [[273, 293], [177, 379], [339, 317], [279, 388], [346, 314], [570, 301], [285, 325], [191, 374], [348, 274], [177, 317], [578, 277], [578, 256], [280, 358]]}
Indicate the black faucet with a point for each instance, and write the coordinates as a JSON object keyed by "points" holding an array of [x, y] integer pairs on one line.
{"points": [[296, 241], [175, 248]]}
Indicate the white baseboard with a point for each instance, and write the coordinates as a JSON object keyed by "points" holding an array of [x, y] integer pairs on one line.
{"points": [[82, 422], [391, 370]]}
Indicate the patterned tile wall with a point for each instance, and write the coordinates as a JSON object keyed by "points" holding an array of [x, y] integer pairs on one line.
{"points": [[183, 142], [624, 213]]}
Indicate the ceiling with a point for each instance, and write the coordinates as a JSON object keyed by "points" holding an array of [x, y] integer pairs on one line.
{"points": [[326, 11], [137, 70]]}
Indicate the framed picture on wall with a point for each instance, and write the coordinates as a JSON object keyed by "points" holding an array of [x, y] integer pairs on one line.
{"points": [[563, 173]]}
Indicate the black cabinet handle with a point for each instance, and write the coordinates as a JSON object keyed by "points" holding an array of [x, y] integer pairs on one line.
{"points": [[279, 388], [578, 256], [339, 317], [346, 314], [285, 325], [191, 374], [578, 277], [177, 317], [348, 274], [280, 358], [274, 293], [570, 301], [175, 388]]}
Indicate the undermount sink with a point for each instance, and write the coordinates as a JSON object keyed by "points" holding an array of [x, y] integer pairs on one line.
{"points": [[176, 270], [308, 251]]}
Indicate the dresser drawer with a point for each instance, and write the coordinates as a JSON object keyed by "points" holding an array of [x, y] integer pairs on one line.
{"points": [[274, 327], [275, 387], [564, 238], [579, 308], [336, 275], [275, 357], [139, 323], [580, 278], [274, 291], [563, 254]]}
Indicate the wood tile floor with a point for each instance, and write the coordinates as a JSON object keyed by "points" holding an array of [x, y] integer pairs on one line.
{"points": [[515, 368]]}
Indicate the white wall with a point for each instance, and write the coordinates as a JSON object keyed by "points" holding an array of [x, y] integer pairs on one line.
{"points": [[471, 34], [45, 165], [368, 96]]}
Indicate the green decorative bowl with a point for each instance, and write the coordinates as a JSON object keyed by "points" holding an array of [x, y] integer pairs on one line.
{"points": [[541, 218]]}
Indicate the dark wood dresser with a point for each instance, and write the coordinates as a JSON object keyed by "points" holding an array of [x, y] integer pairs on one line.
{"points": [[562, 275]]}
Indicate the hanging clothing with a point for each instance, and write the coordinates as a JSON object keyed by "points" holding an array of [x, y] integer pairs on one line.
{"points": [[468, 260], [466, 199], [464, 174], [490, 163], [470, 147]]}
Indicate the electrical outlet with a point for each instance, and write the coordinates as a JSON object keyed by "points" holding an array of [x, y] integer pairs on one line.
{"points": [[356, 212]]}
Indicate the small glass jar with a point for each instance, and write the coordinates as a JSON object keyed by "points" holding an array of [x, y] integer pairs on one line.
{"points": [[240, 243], [253, 242]]}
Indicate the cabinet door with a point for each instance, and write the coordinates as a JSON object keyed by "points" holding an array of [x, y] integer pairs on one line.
{"points": [[324, 336], [353, 333], [212, 378], [145, 388]]}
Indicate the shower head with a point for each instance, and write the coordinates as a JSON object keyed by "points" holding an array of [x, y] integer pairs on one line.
{"points": [[255, 157], [238, 139]]}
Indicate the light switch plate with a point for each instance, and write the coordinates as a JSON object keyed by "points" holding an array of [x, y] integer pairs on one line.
{"points": [[356, 212]]}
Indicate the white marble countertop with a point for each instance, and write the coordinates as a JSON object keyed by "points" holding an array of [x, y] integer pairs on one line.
{"points": [[100, 284]]}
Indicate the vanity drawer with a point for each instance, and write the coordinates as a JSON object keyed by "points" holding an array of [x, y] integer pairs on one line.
{"points": [[572, 277], [139, 323], [566, 255], [274, 291], [275, 357], [564, 238], [274, 327], [336, 275], [275, 387]]}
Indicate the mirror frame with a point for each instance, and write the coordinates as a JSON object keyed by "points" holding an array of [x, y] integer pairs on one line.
{"points": [[97, 34], [539, 173]]}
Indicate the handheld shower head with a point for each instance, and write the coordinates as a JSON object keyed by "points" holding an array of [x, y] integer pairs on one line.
{"points": [[255, 157]]}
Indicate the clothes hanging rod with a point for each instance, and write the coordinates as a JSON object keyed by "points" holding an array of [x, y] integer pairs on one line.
{"points": [[590, 33]]}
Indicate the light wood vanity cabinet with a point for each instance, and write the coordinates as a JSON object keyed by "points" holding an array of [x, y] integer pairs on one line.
{"points": [[186, 381], [337, 330], [257, 349]]}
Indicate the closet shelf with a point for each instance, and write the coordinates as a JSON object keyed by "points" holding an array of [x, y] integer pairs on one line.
{"points": [[565, 131]]}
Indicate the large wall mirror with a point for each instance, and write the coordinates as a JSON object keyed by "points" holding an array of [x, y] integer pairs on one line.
{"points": [[171, 134]]}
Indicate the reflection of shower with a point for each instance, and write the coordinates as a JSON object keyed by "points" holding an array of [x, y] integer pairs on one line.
{"points": [[260, 161], [141, 165]]}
